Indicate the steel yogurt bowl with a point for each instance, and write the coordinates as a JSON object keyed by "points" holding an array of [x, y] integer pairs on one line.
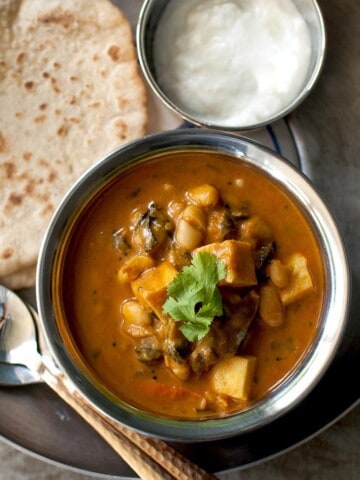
{"points": [[147, 30], [334, 311]]}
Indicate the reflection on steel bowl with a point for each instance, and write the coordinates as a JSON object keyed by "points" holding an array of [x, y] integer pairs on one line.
{"points": [[187, 285], [233, 65]]}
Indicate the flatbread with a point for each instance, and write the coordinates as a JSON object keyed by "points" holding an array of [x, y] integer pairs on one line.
{"points": [[23, 279], [70, 92]]}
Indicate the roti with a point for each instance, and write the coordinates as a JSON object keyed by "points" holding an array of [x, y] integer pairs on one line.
{"points": [[22, 279], [70, 92]]}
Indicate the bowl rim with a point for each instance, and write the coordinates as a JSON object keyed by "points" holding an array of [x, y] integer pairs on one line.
{"points": [[196, 120], [311, 368]]}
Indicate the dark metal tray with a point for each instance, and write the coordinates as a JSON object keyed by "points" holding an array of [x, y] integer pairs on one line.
{"points": [[323, 136]]}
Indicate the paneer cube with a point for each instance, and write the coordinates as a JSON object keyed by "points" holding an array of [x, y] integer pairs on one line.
{"points": [[300, 284], [234, 377], [150, 287], [238, 259]]}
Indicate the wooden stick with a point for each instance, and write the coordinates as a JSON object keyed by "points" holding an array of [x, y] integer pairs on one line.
{"points": [[150, 458], [171, 460], [141, 463]]}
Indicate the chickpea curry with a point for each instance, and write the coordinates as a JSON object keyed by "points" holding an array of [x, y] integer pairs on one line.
{"points": [[192, 285]]}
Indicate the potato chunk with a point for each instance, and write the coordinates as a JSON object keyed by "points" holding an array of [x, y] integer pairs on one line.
{"points": [[300, 283], [234, 377], [150, 287], [238, 259]]}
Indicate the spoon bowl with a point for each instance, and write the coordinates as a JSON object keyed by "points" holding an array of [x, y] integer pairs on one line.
{"points": [[18, 327], [17, 375], [18, 338]]}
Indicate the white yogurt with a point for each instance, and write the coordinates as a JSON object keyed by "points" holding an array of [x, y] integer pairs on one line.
{"points": [[231, 62]]}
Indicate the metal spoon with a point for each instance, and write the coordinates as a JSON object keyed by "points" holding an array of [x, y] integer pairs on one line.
{"points": [[150, 458], [18, 338]]}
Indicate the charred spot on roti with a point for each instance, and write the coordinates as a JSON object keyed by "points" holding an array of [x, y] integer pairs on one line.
{"points": [[58, 17], [3, 143], [43, 106], [121, 128], [15, 77], [114, 53], [40, 118], [15, 199], [29, 85], [7, 253], [52, 177], [74, 120], [21, 58], [43, 197], [30, 186], [10, 169], [55, 85], [27, 156], [123, 103], [47, 210], [62, 131]]}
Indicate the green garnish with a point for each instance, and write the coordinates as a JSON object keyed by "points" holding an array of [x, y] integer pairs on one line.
{"points": [[194, 298]]}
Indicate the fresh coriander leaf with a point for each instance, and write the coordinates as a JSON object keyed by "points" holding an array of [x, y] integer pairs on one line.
{"points": [[194, 332], [194, 298]]}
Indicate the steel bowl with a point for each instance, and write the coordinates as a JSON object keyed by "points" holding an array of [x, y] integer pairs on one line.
{"points": [[336, 299], [150, 14]]}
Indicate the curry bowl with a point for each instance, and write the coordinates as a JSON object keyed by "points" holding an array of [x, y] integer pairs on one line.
{"points": [[193, 285]]}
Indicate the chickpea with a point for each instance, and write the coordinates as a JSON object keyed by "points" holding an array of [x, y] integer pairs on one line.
{"points": [[174, 210], [279, 274], [191, 227], [187, 236], [271, 310], [204, 195], [179, 369], [195, 216], [137, 320]]}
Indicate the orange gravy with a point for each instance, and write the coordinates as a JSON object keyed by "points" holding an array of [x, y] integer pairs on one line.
{"points": [[92, 293]]}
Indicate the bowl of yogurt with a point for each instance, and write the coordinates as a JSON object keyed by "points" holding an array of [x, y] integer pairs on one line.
{"points": [[231, 64]]}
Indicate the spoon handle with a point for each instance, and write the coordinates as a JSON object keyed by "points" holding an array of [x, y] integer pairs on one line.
{"points": [[151, 459]]}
